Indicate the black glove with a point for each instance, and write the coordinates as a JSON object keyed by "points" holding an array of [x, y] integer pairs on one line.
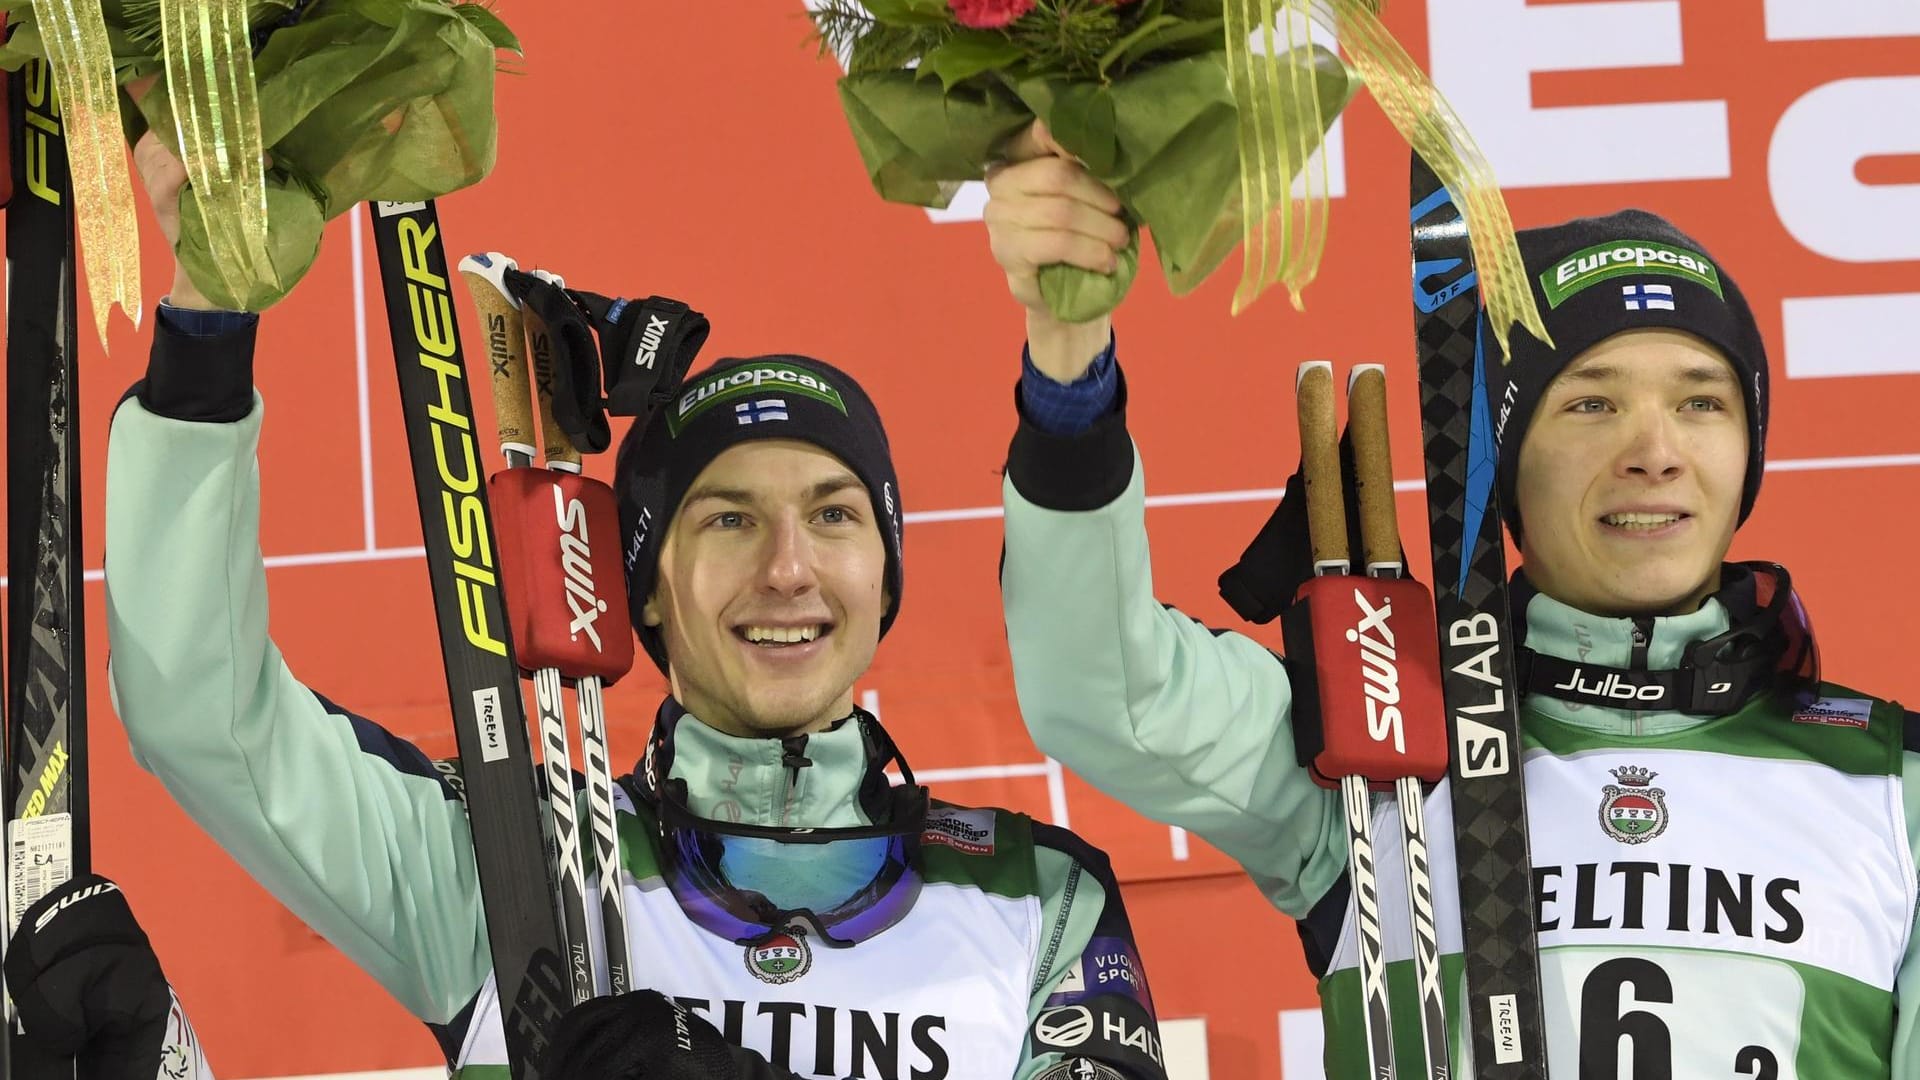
{"points": [[1280, 558], [644, 1035], [87, 984], [639, 349]]}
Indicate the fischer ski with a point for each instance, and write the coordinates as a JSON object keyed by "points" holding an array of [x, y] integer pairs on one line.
{"points": [[483, 682], [1501, 997], [45, 783]]}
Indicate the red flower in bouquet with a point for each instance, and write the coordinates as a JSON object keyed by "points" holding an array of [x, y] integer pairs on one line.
{"points": [[988, 14]]}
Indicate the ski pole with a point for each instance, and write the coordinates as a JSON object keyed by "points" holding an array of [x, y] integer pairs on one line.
{"points": [[559, 554], [1327, 528], [1380, 536], [513, 418], [563, 456]]}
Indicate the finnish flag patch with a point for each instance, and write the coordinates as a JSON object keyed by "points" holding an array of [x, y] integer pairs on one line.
{"points": [[755, 412], [1644, 297]]}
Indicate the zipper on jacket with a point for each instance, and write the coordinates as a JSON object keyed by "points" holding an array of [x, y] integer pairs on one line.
{"points": [[793, 758], [1637, 659]]}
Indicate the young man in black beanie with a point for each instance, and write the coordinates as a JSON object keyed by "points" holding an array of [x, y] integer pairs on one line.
{"points": [[1723, 853], [791, 913]]}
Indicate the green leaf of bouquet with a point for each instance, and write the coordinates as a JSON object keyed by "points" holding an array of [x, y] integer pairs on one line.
{"points": [[909, 12], [22, 46], [1145, 30], [1188, 37], [1074, 295], [1082, 119], [968, 54], [483, 19]]}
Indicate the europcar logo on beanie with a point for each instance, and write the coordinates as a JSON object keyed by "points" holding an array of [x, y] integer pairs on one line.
{"points": [[733, 382], [1590, 266]]}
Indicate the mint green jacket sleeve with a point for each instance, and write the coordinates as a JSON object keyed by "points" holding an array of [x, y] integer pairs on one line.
{"points": [[333, 816], [1185, 725], [1088, 948], [1906, 986]]}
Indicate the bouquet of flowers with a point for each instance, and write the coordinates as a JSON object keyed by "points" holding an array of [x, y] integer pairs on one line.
{"points": [[1199, 114], [285, 112]]}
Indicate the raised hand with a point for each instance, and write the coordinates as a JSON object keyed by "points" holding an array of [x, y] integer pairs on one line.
{"points": [[1046, 208]]}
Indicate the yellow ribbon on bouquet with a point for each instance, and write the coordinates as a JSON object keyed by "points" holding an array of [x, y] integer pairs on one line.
{"points": [[209, 70], [216, 115], [1285, 235], [81, 60]]}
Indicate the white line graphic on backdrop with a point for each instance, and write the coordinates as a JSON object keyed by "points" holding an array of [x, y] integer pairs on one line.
{"points": [[1154, 502]]}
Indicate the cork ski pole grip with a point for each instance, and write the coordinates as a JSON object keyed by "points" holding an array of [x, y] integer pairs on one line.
{"points": [[500, 317], [558, 450], [1373, 467], [1320, 467]]}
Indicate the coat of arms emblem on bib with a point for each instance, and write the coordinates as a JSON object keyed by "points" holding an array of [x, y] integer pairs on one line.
{"points": [[1633, 811], [781, 958]]}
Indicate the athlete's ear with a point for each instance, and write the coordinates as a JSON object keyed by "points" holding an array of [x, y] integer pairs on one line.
{"points": [[650, 614]]}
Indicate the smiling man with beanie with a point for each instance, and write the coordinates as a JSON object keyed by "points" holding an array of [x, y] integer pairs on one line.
{"points": [[1723, 855], [791, 913]]}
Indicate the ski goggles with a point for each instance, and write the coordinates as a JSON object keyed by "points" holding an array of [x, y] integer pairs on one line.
{"points": [[748, 883]]}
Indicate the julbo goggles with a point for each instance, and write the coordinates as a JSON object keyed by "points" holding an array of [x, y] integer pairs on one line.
{"points": [[747, 883]]}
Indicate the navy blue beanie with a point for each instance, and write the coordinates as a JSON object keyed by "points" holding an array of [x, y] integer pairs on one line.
{"points": [[1597, 277], [734, 401]]}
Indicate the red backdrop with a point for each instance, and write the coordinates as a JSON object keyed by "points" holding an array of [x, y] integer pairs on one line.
{"points": [[661, 147]]}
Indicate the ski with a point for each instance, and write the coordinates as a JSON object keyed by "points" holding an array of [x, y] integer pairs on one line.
{"points": [[45, 786], [1501, 998], [483, 682]]}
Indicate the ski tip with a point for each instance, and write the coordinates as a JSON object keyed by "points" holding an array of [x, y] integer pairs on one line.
{"points": [[1308, 368], [1363, 369]]}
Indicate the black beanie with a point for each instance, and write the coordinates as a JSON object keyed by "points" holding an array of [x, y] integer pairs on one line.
{"points": [[734, 401], [1596, 277]]}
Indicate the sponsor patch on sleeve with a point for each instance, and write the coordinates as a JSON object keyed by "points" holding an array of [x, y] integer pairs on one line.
{"points": [[1114, 1030], [964, 829], [1836, 712], [1109, 965]]}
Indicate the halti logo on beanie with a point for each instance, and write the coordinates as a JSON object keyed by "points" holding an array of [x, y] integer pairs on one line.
{"points": [[733, 382], [1590, 266]]}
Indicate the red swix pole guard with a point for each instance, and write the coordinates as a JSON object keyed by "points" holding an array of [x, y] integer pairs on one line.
{"points": [[559, 535], [1364, 660]]}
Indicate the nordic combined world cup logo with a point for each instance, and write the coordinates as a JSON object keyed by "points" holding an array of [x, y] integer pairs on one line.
{"points": [[781, 958], [1633, 812]]}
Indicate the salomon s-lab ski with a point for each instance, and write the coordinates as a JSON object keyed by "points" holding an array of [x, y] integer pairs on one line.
{"points": [[483, 682], [1501, 1000]]}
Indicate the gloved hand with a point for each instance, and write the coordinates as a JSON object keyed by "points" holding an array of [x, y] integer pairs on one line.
{"points": [[1280, 558], [645, 1035], [89, 988]]}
